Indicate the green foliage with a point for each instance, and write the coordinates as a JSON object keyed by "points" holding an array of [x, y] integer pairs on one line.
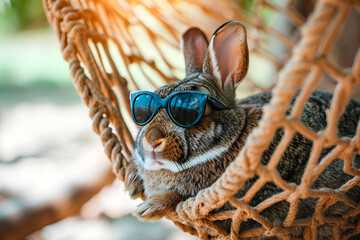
{"points": [[19, 15], [266, 13], [247, 5]]}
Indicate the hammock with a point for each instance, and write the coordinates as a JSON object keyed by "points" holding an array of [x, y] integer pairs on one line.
{"points": [[106, 60]]}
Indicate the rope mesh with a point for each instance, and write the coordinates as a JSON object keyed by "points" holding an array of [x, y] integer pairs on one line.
{"points": [[97, 38]]}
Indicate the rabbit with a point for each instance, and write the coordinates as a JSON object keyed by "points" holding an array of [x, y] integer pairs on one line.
{"points": [[172, 163]]}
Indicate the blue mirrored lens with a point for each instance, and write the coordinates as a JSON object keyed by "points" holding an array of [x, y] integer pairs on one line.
{"points": [[185, 108], [143, 107]]}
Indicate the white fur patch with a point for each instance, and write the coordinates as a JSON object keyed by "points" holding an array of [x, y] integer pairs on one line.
{"points": [[151, 165], [208, 156], [148, 163], [214, 62]]}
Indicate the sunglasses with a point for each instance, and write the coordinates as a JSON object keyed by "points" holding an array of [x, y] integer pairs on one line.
{"points": [[185, 108]]}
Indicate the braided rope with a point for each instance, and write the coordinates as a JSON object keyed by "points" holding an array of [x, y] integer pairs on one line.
{"points": [[304, 65], [98, 105], [78, 24]]}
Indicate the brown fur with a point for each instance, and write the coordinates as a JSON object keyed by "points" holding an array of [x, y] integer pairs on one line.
{"points": [[224, 133]]}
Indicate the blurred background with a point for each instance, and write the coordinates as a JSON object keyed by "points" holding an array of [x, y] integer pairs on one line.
{"points": [[52, 165]]}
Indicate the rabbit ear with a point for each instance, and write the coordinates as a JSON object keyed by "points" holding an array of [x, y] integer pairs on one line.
{"points": [[194, 44], [227, 58]]}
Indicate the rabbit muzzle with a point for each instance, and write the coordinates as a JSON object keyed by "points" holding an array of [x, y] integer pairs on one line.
{"points": [[161, 149]]}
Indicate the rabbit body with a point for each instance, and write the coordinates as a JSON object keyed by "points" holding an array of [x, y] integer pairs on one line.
{"points": [[172, 163]]}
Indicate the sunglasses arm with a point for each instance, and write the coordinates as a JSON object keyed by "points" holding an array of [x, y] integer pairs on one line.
{"points": [[217, 103]]}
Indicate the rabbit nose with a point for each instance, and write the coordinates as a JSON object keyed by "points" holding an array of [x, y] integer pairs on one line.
{"points": [[155, 137], [157, 143]]}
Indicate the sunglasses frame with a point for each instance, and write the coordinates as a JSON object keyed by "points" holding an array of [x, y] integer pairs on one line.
{"points": [[203, 98]]}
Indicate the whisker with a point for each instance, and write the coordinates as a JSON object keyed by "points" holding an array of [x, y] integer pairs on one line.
{"points": [[182, 166], [190, 165], [177, 166], [134, 178]]}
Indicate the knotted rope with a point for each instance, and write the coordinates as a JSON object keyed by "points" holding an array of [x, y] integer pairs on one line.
{"points": [[79, 25]]}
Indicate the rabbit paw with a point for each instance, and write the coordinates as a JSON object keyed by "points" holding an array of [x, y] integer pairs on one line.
{"points": [[133, 182], [150, 210], [157, 206]]}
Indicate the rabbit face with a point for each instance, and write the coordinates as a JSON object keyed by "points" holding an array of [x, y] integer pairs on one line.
{"points": [[217, 70], [162, 144]]}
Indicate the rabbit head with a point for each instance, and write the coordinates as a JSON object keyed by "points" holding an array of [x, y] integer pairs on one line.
{"points": [[217, 69]]}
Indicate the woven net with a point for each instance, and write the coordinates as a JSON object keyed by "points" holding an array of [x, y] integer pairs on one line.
{"points": [[100, 40]]}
